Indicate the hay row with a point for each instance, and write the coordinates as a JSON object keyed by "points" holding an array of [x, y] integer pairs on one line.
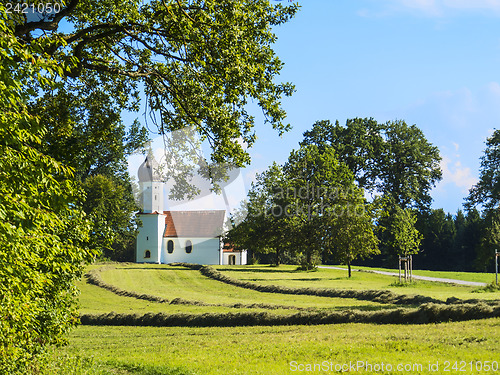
{"points": [[427, 313], [94, 277], [379, 296]]}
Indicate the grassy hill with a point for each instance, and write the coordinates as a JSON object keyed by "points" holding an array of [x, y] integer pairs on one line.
{"points": [[261, 349]]}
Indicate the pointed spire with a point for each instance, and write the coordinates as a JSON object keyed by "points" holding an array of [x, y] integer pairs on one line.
{"points": [[149, 169]]}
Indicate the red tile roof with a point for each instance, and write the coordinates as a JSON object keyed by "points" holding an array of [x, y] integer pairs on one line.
{"points": [[229, 248], [193, 223]]}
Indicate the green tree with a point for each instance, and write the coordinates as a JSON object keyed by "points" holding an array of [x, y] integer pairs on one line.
{"points": [[110, 208], [262, 225], [487, 191], [409, 166], [350, 235], [315, 181], [405, 237], [392, 159], [358, 145], [198, 62], [439, 246], [85, 132], [41, 225], [290, 208], [460, 224], [473, 232], [489, 242]]}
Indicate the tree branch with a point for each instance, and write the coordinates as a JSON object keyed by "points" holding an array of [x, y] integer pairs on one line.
{"points": [[25, 28], [110, 69]]}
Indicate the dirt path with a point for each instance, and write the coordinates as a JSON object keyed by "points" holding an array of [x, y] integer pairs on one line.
{"points": [[426, 278]]}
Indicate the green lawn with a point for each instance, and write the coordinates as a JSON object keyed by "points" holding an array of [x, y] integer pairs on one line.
{"points": [[329, 278], [172, 282], [481, 277], [101, 350], [95, 300], [270, 350]]}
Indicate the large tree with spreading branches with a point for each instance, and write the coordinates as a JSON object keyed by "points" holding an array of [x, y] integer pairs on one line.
{"points": [[80, 65]]}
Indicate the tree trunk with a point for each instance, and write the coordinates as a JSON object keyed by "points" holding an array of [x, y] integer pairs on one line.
{"points": [[349, 267], [277, 257]]}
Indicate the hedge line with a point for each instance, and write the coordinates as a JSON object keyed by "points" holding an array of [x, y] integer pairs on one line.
{"points": [[427, 313], [94, 277]]}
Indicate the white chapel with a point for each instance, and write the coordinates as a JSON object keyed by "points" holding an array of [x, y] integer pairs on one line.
{"points": [[178, 236]]}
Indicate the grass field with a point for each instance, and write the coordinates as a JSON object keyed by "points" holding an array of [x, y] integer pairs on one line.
{"points": [[329, 278], [465, 276], [104, 350], [270, 350], [171, 282]]}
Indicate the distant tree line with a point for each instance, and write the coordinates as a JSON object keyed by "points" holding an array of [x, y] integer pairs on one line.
{"points": [[314, 207]]}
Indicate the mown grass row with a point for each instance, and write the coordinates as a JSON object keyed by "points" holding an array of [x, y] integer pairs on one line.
{"points": [[379, 296], [93, 277], [430, 310], [427, 313]]}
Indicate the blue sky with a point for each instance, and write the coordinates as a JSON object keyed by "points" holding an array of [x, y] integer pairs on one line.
{"points": [[433, 63]]}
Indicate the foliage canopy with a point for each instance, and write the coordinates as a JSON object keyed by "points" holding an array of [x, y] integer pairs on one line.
{"points": [[487, 191], [41, 229], [197, 61], [393, 159]]}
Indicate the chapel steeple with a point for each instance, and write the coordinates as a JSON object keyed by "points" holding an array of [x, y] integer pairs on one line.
{"points": [[151, 185]]}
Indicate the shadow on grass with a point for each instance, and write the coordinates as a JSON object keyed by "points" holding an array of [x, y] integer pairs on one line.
{"points": [[135, 369], [366, 308], [163, 267], [300, 279], [259, 270]]}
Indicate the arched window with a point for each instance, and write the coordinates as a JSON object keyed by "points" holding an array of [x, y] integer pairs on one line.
{"points": [[170, 246], [147, 254], [189, 246]]}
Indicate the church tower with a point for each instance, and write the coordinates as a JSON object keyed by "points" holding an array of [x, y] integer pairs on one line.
{"points": [[150, 237], [151, 185]]}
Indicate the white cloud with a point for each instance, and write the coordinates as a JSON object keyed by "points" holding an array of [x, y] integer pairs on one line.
{"points": [[457, 174], [460, 111], [435, 8], [494, 88], [430, 7], [251, 175], [491, 5]]}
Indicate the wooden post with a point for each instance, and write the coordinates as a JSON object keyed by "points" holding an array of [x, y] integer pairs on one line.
{"points": [[497, 254], [411, 268], [407, 269], [404, 269], [399, 265]]}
